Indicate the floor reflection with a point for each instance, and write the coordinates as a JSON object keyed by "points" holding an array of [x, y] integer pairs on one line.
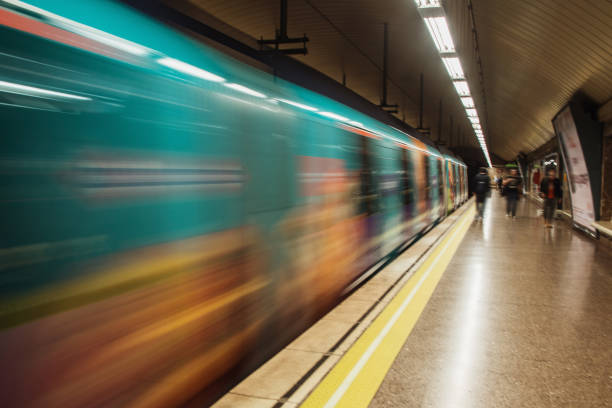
{"points": [[521, 317]]}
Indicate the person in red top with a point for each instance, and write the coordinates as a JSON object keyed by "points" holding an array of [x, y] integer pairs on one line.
{"points": [[536, 177], [550, 191]]}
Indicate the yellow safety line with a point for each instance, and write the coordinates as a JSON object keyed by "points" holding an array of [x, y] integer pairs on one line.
{"points": [[353, 382]]}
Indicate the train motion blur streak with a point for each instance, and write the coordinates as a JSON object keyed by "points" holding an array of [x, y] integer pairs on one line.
{"points": [[168, 213]]}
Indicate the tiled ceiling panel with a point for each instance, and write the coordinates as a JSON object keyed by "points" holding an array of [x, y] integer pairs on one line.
{"points": [[534, 56]]}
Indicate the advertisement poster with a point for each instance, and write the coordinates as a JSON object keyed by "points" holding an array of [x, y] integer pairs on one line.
{"points": [[578, 175]]}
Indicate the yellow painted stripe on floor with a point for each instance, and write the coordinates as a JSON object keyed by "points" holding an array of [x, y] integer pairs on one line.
{"points": [[353, 382]]}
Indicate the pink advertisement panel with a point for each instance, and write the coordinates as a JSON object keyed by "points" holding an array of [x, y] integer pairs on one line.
{"points": [[580, 186]]}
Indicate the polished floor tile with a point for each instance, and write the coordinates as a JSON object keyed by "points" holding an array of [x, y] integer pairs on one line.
{"points": [[522, 317]]}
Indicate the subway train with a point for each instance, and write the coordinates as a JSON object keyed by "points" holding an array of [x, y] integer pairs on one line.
{"points": [[171, 216]]}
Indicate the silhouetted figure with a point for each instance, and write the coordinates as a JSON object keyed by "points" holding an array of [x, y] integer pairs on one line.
{"points": [[550, 191], [512, 189], [482, 185]]}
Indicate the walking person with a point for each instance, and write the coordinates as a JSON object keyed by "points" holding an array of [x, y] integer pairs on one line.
{"points": [[482, 185], [550, 191], [512, 190]]}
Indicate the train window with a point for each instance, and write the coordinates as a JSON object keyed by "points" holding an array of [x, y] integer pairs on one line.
{"points": [[406, 179], [450, 177], [427, 172], [368, 200], [440, 180], [456, 181], [268, 159]]}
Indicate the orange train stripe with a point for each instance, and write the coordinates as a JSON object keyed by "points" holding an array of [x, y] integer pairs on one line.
{"points": [[420, 144], [359, 131], [29, 25]]}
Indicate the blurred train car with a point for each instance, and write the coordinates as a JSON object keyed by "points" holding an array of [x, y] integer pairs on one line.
{"points": [[168, 213], [455, 182]]}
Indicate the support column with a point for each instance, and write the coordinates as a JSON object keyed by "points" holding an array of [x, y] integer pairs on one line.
{"points": [[450, 132], [421, 102], [383, 103], [283, 38], [440, 122]]}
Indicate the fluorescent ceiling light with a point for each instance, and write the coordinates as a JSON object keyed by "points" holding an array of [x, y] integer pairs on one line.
{"points": [[474, 119], [467, 101], [439, 32], [462, 88], [10, 87], [245, 90], [298, 105], [476, 126], [189, 69], [453, 66], [471, 112], [333, 116], [427, 3]]}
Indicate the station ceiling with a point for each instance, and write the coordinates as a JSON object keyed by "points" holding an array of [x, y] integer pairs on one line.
{"points": [[534, 55]]}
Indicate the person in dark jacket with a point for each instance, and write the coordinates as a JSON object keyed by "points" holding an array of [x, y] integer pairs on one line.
{"points": [[550, 191], [512, 186], [482, 184]]}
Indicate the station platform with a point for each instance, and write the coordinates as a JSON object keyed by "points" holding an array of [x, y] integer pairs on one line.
{"points": [[492, 313]]}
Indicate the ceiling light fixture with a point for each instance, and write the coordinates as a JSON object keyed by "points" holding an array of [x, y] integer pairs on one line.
{"points": [[467, 101], [434, 17], [453, 66], [427, 3], [462, 88], [439, 32]]}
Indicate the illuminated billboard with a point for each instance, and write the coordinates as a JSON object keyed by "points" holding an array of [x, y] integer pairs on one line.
{"points": [[583, 211]]}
